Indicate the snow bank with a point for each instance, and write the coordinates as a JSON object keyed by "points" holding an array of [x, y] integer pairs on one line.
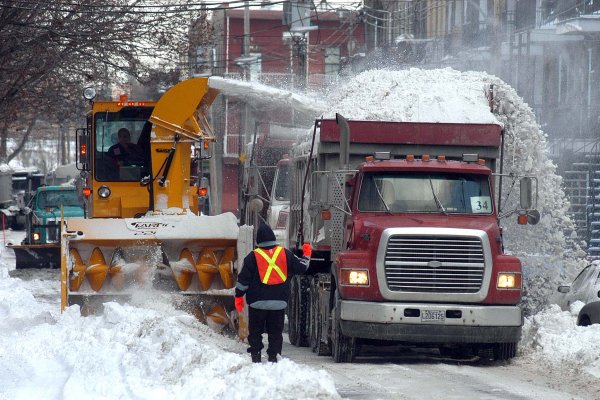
{"points": [[553, 340], [548, 250], [133, 352]]}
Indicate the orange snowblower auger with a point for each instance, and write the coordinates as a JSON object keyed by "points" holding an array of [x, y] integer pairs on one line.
{"points": [[142, 232]]}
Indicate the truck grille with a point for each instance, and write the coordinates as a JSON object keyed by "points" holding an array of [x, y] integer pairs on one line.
{"points": [[53, 231], [429, 263]]}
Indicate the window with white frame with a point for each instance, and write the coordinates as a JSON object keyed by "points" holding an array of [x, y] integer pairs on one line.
{"points": [[332, 60]]}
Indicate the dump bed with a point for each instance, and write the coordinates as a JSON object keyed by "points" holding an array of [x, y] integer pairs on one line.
{"points": [[402, 138]]}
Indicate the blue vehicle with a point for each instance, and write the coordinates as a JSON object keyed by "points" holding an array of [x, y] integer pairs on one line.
{"points": [[41, 246]]}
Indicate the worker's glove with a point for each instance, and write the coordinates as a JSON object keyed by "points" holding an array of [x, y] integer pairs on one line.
{"points": [[239, 304], [306, 250]]}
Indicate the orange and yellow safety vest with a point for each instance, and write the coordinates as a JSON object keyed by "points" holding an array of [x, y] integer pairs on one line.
{"points": [[272, 265]]}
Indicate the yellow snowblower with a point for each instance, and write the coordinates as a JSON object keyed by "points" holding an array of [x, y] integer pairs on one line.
{"points": [[142, 232]]}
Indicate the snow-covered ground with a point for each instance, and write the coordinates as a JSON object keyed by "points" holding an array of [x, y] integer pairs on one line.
{"points": [[138, 351]]}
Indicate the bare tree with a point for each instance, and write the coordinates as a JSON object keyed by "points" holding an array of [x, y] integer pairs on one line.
{"points": [[51, 49]]}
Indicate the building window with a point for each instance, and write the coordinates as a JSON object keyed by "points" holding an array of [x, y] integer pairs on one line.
{"points": [[332, 60]]}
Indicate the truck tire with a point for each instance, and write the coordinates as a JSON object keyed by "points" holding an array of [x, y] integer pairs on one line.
{"points": [[316, 327], [298, 311], [343, 348]]}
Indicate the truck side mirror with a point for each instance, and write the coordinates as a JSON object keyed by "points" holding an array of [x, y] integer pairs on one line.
{"points": [[526, 191], [533, 217], [564, 289], [83, 142]]}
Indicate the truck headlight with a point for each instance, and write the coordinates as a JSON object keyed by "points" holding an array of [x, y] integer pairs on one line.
{"points": [[509, 280], [355, 276], [104, 191], [36, 236]]}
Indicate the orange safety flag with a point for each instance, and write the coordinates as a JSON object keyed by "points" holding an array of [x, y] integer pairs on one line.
{"points": [[274, 261]]}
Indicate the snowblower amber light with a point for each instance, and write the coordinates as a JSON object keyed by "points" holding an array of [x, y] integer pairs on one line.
{"points": [[87, 192], [202, 191], [326, 215], [522, 219]]}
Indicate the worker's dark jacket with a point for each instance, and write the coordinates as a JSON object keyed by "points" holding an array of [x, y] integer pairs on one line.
{"points": [[267, 297]]}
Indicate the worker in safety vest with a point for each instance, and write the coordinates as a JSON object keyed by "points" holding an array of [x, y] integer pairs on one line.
{"points": [[265, 280]]}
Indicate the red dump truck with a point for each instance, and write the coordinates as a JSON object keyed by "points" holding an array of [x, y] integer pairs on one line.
{"points": [[407, 242]]}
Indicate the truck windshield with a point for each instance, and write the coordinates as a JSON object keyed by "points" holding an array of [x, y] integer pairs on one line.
{"points": [[122, 144], [282, 183], [425, 193], [55, 199]]}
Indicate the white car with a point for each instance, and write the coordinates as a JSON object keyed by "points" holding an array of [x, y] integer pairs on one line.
{"points": [[585, 287]]}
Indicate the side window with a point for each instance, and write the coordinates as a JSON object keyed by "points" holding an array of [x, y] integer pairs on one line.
{"points": [[581, 279]]}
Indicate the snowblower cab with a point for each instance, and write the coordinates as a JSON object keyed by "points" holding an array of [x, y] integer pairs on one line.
{"points": [[142, 231]]}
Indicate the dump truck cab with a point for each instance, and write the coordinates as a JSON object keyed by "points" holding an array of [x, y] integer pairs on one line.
{"points": [[439, 252]]}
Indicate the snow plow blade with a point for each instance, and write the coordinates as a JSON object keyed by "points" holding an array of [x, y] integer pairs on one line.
{"points": [[36, 255], [191, 258]]}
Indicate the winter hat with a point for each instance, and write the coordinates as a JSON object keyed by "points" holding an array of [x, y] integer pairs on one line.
{"points": [[265, 236]]}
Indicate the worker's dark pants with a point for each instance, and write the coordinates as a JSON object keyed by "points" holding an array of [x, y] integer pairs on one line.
{"points": [[270, 321]]}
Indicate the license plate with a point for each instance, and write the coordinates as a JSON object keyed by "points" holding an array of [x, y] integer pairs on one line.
{"points": [[433, 315]]}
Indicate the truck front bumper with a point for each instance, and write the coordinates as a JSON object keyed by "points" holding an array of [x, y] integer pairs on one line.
{"points": [[405, 322]]}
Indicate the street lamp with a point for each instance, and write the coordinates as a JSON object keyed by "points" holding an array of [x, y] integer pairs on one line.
{"points": [[301, 43]]}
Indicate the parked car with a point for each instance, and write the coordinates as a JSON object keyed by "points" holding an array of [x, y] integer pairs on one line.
{"points": [[589, 314], [585, 287]]}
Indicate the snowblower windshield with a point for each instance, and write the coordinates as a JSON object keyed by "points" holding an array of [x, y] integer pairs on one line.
{"points": [[426, 193], [122, 145]]}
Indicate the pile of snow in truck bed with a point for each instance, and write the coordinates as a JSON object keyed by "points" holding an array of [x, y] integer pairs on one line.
{"points": [[446, 95]]}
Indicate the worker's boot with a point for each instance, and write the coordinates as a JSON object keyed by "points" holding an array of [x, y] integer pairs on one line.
{"points": [[273, 358], [255, 357]]}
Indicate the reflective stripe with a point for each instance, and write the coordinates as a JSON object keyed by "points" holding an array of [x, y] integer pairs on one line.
{"points": [[272, 265]]}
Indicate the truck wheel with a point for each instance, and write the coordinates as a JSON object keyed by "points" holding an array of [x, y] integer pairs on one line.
{"points": [[298, 311], [343, 348], [316, 327]]}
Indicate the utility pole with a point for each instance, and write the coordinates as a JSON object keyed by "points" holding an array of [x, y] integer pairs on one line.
{"points": [[245, 123]]}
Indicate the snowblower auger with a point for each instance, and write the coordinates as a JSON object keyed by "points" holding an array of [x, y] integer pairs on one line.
{"points": [[142, 231]]}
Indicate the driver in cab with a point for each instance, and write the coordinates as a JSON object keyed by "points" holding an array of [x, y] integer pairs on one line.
{"points": [[125, 153]]}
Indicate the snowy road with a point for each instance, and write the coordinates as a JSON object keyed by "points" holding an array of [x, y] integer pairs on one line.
{"points": [[396, 373], [378, 375]]}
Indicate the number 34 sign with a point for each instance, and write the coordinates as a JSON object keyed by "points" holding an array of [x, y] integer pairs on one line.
{"points": [[481, 204]]}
